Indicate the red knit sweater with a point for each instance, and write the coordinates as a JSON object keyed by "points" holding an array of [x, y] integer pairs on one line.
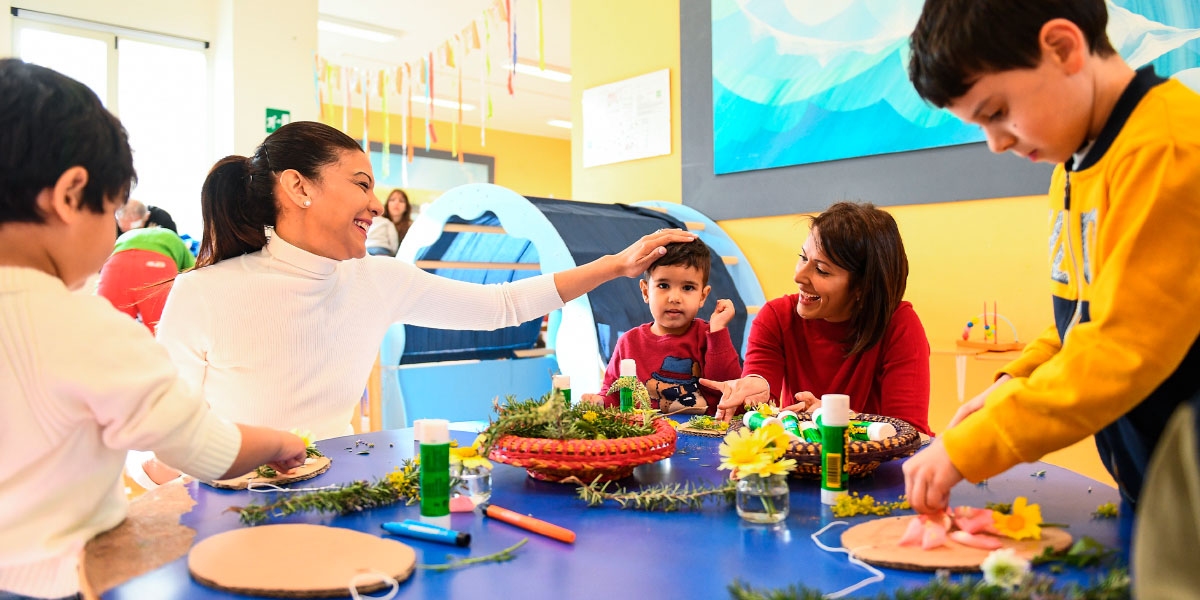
{"points": [[802, 355], [671, 365]]}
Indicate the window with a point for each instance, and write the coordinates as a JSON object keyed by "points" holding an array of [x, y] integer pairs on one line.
{"points": [[156, 85]]}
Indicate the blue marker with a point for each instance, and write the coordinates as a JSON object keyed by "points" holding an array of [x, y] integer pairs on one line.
{"points": [[424, 531]]}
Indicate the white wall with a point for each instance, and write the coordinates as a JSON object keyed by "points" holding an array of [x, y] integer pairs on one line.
{"points": [[5, 29], [263, 58], [185, 18]]}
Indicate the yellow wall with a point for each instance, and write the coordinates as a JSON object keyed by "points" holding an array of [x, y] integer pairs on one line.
{"points": [[611, 41], [960, 254], [527, 164]]}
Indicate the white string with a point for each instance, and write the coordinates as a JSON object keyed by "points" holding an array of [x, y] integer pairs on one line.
{"points": [[374, 574], [263, 487], [876, 577]]}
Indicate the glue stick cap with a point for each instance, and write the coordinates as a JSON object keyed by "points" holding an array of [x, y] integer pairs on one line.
{"points": [[835, 410], [829, 497], [433, 431], [561, 382], [628, 368], [880, 431]]}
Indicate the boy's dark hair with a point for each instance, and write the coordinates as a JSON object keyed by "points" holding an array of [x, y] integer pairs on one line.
{"points": [[693, 254], [865, 241], [956, 41], [48, 124]]}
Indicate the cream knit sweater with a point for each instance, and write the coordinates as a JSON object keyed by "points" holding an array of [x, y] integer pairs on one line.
{"points": [[81, 383], [284, 338]]}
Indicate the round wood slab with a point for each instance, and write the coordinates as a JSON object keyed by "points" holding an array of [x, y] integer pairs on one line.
{"points": [[311, 468], [277, 561], [876, 542]]}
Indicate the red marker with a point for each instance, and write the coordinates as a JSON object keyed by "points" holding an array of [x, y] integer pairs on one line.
{"points": [[538, 526]]}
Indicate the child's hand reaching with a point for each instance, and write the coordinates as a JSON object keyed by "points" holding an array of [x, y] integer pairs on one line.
{"points": [[593, 398], [721, 316], [291, 454]]}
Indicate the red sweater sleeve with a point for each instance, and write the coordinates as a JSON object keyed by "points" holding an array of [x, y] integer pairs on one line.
{"points": [[720, 357], [764, 352], [904, 376]]}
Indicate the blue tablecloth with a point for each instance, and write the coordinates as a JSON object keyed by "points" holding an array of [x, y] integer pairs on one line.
{"points": [[630, 554]]}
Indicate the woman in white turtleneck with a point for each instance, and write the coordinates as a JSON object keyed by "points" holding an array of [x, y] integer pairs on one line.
{"points": [[281, 328]]}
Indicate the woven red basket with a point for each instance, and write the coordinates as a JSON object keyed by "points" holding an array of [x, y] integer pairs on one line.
{"points": [[555, 460], [862, 457]]}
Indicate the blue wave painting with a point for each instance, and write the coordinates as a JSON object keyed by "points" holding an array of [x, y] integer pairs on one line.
{"points": [[804, 81]]}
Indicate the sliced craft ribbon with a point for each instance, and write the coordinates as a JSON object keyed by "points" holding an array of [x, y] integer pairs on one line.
{"points": [[876, 576], [374, 575]]}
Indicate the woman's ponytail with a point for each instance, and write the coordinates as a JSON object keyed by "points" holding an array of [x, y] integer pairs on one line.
{"points": [[236, 210]]}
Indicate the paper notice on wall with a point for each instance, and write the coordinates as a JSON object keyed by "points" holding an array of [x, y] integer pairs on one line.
{"points": [[627, 120]]}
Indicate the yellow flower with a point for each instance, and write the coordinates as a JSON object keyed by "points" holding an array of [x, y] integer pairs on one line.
{"points": [[674, 424], [774, 438], [1025, 521], [590, 416], [743, 452], [305, 435], [722, 425], [765, 410], [771, 468], [469, 457]]}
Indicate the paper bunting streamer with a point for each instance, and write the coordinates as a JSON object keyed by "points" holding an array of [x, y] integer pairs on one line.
{"points": [[387, 129], [344, 77], [408, 117], [512, 44], [365, 83], [317, 86], [459, 125], [430, 134]]}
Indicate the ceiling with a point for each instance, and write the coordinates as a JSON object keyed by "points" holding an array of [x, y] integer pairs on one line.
{"points": [[421, 26]]}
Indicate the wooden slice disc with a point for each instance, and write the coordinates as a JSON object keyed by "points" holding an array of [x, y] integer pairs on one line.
{"points": [[311, 468], [876, 542], [278, 561]]}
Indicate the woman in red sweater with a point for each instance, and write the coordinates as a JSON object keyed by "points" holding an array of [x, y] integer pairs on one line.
{"points": [[846, 331]]}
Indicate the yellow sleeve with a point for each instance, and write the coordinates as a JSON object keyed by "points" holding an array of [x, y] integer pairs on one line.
{"points": [[1145, 315], [1037, 352]]}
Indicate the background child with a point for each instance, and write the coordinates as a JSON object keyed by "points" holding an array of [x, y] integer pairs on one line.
{"points": [[81, 382], [675, 350], [1042, 80]]}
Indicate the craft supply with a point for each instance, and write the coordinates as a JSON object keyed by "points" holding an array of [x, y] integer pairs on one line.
{"points": [[538, 526], [422, 531], [277, 561], [629, 373], [791, 423], [810, 432], [562, 383], [835, 415], [462, 504], [877, 542], [868, 431], [876, 574], [756, 420], [435, 472]]}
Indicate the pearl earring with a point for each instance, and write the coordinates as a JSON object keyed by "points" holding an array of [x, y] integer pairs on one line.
{"points": [[307, 203]]}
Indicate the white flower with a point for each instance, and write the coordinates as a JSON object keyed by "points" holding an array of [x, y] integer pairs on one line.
{"points": [[1004, 568]]}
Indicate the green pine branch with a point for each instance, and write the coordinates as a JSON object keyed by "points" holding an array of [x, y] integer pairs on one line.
{"points": [[667, 497]]}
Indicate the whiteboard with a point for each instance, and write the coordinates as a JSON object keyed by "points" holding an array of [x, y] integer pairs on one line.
{"points": [[627, 120]]}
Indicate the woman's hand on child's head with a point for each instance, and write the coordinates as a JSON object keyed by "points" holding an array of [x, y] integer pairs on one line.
{"points": [[593, 398], [807, 402], [737, 393], [634, 260], [722, 315]]}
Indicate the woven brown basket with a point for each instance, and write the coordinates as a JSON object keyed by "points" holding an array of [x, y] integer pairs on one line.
{"points": [[862, 458], [555, 460]]}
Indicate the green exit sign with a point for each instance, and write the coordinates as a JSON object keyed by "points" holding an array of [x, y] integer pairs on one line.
{"points": [[277, 118]]}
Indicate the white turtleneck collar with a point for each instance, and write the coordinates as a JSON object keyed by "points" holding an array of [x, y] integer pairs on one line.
{"points": [[302, 261]]}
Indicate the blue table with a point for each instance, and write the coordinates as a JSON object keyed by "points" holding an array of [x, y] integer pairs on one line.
{"points": [[629, 554]]}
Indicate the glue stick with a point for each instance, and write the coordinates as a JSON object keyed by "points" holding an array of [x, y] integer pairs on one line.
{"points": [[755, 420], [629, 372], [562, 383], [791, 423], [864, 430], [435, 472], [809, 432], [835, 417]]}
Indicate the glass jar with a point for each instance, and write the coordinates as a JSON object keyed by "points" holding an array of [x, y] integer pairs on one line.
{"points": [[473, 482], [763, 499]]}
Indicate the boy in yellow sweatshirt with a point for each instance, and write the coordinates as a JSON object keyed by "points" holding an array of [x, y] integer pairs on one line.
{"points": [[1042, 80]]}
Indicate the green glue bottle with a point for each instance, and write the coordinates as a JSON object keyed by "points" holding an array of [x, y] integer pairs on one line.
{"points": [[562, 383], [835, 418], [629, 375], [435, 471]]}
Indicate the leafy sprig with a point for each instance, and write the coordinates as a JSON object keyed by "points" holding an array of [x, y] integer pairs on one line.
{"points": [[1113, 585], [401, 485], [1085, 552], [504, 555], [667, 497]]}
